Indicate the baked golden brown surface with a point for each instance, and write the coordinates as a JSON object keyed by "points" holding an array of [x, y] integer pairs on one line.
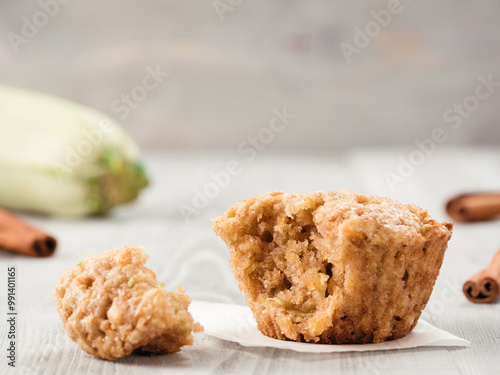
{"points": [[112, 305], [333, 267]]}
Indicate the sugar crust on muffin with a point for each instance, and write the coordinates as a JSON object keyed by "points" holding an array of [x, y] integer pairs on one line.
{"points": [[333, 267], [111, 305]]}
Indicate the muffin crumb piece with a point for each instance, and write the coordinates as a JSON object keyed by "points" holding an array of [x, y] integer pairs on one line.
{"points": [[111, 305]]}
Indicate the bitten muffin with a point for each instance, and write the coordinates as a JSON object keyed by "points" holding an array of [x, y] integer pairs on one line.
{"points": [[333, 267], [111, 305]]}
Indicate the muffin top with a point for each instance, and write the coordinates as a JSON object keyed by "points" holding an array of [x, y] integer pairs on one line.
{"points": [[333, 206]]}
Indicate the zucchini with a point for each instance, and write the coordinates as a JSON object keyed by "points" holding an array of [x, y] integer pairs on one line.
{"points": [[58, 157]]}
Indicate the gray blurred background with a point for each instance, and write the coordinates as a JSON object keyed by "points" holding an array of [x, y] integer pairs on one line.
{"points": [[231, 62]]}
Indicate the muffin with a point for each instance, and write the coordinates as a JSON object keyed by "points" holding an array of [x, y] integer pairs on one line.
{"points": [[333, 267], [111, 305]]}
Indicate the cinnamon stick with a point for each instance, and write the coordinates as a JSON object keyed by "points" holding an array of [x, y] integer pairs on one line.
{"points": [[19, 237], [484, 286], [474, 207]]}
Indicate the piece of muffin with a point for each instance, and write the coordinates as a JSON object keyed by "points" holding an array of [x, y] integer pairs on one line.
{"points": [[112, 305], [333, 267]]}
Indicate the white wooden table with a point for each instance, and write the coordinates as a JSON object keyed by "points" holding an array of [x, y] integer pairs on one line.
{"points": [[188, 253]]}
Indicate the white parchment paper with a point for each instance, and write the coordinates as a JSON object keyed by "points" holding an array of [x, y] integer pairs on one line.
{"points": [[236, 323]]}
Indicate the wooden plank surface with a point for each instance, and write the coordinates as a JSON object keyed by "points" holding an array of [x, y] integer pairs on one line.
{"points": [[188, 253]]}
